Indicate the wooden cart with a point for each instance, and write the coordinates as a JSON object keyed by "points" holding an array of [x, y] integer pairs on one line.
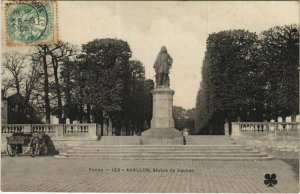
{"points": [[22, 143]]}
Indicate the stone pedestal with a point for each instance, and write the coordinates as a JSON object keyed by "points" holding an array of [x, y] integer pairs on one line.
{"points": [[162, 124], [235, 133], [226, 129]]}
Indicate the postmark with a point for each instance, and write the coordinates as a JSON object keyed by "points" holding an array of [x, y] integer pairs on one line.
{"points": [[31, 22]]}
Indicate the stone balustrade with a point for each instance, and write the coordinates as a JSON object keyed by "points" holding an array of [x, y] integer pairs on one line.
{"points": [[280, 139], [55, 131], [274, 130], [61, 135]]}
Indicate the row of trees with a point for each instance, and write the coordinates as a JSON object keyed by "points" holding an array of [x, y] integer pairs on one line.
{"points": [[248, 77], [98, 83], [183, 118]]}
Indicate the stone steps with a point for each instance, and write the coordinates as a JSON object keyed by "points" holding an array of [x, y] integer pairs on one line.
{"points": [[212, 142], [161, 150], [165, 152], [168, 148], [197, 148], [134, 155], [166, 158], [209, 151], [120, 143], [119, 140], [205, 140], [190, 140]]}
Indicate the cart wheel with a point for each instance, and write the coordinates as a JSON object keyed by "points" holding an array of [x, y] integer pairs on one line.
{"points": [[34, 146], [11, 150]]}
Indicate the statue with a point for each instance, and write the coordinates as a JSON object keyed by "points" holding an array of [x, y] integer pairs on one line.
{"points": [[162, 66]]}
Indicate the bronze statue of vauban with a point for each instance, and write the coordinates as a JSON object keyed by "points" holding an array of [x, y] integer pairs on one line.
{"points": [[162, 66]]}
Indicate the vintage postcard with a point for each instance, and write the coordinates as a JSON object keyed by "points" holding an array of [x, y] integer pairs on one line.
{"points": [[150, 96]]}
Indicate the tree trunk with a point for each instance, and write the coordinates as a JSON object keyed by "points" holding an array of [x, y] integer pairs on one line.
{"points": [[68, 91], [88, 113], [101, 129], [68, 97], [110, 129], [80, 112], [46, 85], [57, 87], [17, 82]]}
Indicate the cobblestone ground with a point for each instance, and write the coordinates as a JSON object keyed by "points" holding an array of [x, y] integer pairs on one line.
{"points": [[93, 175]]}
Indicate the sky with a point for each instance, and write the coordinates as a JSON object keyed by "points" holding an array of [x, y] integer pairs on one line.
{"points": [[181, 26]]}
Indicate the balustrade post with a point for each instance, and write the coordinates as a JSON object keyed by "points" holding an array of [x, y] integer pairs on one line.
{"points": [[235, 130], [27, 128], [98, 127], [294, 124], [271, 132], [92, 131], [226, 129], [59, 131]]}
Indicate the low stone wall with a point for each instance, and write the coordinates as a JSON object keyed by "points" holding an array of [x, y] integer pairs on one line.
{"points": [[60, 135], [278, 139]]}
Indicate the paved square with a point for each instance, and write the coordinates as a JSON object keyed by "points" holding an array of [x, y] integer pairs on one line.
{"points": [[94, 175]]}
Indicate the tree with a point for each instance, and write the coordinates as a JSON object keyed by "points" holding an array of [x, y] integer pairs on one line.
{"points": [[7, 84], [20, 112], [228, 71], [106, 75], [87, 86], [280, 65], [138, 105], [248, 78], [24, 77], [183, 118], [15, 64], [190, 119], [148, 102], [50, 57], [70, 76], [40, 57], [59, 52], [179, 117]]}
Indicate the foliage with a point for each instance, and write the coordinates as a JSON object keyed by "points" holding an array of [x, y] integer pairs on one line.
{"points": [[20, 78], [148, 102], [15, 64], [280, 65], [106, 72], [99, 83], [183, 118], [20, 112], [248, 78]]}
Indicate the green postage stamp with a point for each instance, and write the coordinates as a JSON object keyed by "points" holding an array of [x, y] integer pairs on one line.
{"points": [[30, 22]]}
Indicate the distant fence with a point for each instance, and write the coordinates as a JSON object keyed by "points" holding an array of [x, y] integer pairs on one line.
{"points": [[55, 131], [272, 130]]}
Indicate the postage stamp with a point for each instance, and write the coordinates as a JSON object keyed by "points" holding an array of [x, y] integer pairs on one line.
{"points": [[30, 22]]}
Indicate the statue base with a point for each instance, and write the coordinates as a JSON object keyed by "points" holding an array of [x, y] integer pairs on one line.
{"points": [[159, 136], [162, 130]]}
